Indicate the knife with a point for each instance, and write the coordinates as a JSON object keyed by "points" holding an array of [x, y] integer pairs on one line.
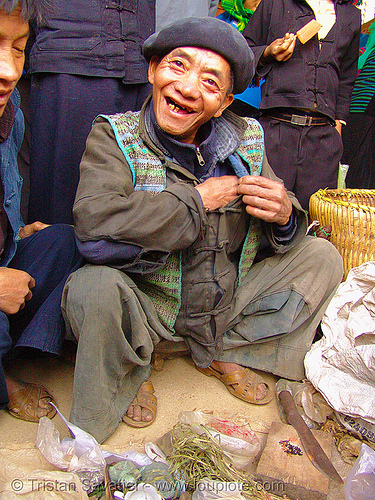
{"points": [[311, 446]]}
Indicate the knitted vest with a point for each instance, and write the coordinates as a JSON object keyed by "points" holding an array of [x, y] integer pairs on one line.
{"points": [[163, 287]]}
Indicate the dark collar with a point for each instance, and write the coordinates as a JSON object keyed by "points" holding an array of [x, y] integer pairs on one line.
{"points": [[6, 122], [186, 154]]}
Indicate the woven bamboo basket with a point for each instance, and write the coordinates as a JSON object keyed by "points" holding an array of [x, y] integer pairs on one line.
{"points": [[351, 214]]}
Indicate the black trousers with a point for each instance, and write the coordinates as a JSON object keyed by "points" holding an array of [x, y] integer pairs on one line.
{"points": [[49, 256], [62, 109], [305, 158]]}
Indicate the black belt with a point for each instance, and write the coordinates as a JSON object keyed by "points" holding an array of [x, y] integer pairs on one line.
{"points": [[302, 120]]}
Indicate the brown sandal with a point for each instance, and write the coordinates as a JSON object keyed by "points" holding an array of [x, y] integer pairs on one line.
{"points": [[24, 403], [146, 399], [246, 382]]}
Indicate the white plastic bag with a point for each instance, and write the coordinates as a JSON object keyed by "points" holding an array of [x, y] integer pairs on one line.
{"points": [[360, 483], [342, 364]]}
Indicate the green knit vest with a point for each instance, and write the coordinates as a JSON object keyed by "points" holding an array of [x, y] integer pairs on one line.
{"points": [[163, 287]]}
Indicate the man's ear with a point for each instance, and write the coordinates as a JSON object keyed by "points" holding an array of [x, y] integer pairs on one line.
{"points": [[152, 68], [227, 102]]}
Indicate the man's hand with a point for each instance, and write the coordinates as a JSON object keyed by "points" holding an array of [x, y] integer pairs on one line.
{"points": [[15, 289], [30, 229], [265, 199], [338, 126], [280, 49], [216, 192]]}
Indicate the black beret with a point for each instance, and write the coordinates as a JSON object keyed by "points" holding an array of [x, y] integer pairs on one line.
{"points": [[207, 33]]}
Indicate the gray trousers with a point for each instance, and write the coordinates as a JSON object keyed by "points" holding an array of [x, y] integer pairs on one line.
{"points": [[276, 310]]}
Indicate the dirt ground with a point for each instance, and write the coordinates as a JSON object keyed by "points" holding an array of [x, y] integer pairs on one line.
{"points": [[179, 387]]}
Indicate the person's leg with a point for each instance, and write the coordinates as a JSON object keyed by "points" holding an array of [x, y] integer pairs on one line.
{"points": [[25, 401], [5, 346], [305, 158], [281, 143], [278, 307], [116, 326], [359, 138], [49, 256], [62, 109], [320, 152]]}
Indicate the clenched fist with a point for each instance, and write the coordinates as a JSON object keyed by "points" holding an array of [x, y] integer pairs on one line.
{"points": [[15, 289]]}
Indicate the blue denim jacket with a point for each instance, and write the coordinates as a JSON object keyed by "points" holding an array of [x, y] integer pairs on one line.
{"points": [[11, 180]]}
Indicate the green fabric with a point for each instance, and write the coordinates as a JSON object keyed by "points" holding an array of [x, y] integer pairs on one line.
{"points": [[238, 11], [369, 46], [163, 287]]}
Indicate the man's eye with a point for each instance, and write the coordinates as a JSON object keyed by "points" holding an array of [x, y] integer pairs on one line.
{"points": [[19, 50], [211, 82], [178, 63]]}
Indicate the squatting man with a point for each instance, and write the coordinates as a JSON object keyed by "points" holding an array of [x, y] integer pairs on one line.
{"points": [[170, 208]]}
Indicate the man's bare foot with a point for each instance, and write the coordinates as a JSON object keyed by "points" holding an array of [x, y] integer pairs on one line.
{"points": [[28, 401], [142, 411], [138, 414], [222, 367]]}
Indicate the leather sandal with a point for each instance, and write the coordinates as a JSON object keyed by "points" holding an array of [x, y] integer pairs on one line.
{"points": [[245, 382], [146, 399], [24, 403]]}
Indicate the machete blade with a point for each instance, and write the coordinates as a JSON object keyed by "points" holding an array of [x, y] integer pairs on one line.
{"points": [[311, 446]]}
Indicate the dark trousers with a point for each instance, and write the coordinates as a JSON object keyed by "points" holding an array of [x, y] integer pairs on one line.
{"points": [[49, 256], [62, 109], [305, 158], [359, 153]]}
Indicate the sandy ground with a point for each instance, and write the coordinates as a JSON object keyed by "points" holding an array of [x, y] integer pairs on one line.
{"points": [[179, 387]]}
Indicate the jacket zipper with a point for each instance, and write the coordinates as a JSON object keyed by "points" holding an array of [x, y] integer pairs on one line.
{"points": [[200, 157]]}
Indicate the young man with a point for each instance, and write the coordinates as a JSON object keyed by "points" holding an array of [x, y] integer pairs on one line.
{"points": [[36, 259], [170, 208]]}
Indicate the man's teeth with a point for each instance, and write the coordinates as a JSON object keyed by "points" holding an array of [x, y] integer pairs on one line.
{"points": [[175, 107]]}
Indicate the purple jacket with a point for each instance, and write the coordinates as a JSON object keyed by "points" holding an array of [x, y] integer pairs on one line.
{"points": [[313, 78]]}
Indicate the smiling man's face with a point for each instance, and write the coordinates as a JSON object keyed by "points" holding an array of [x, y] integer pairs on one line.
{"points": [[190, 86], [14, 32]]}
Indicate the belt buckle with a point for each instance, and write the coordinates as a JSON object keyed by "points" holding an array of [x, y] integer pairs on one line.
{"points": [[303, 121]]}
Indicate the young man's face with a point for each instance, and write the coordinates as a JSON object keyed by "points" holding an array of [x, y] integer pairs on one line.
{"points": [[14, 32], [190, 86]]}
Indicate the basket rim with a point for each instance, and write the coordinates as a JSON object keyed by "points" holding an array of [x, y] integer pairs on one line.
{"points": [[322, 195]]}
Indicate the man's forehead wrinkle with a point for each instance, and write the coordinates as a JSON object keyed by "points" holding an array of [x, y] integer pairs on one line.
{"points": [[4, 35]]}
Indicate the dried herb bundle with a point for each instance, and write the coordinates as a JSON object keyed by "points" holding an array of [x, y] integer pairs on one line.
{"points": [[197, 457]]}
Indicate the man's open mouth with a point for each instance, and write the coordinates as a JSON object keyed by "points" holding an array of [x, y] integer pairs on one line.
{"points": [[176, 107]]}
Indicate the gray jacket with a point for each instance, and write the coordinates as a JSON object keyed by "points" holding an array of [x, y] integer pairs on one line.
{"points": [[108, 208]]}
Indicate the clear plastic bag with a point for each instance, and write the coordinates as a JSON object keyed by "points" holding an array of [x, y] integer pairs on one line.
{"points": [[360, 483], [310, 404], [80, 454]]}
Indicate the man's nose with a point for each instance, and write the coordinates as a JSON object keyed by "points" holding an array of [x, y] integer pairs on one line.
{"points": [[9, 69], [188, 85]]}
